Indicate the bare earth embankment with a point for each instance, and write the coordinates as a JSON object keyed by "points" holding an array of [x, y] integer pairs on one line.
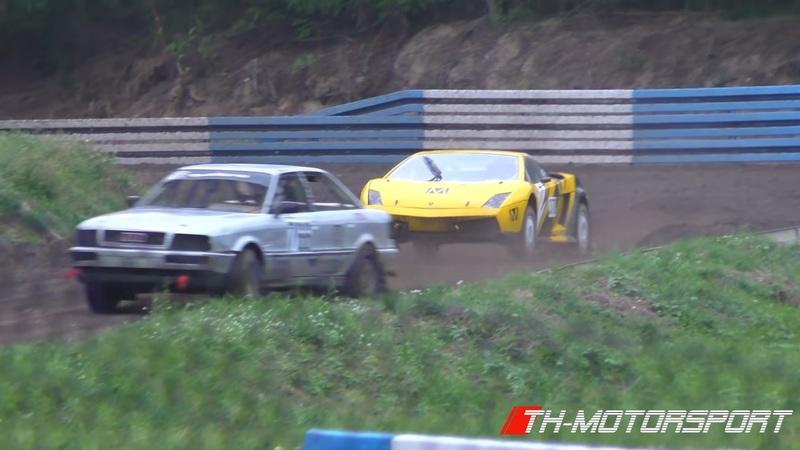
{"points": [[269, 70]]}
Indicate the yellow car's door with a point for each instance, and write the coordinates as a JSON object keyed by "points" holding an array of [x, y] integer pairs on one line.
{"points": [[553, 201]]}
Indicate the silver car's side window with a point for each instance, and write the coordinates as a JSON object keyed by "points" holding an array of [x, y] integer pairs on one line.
{"points": [[326, 195], [291, 189]]}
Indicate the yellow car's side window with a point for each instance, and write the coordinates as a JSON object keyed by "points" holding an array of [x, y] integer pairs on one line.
{"points": [[533, 172]]}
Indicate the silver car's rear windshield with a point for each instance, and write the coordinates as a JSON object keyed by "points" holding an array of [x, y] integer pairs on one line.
{"points": [[234, 192], [458, 167]]}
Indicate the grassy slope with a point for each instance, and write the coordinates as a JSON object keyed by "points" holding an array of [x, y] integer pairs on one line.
{"points": [[46, 188], [715, 326]]}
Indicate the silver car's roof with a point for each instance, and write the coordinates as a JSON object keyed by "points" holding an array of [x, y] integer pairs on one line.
{"points": [[271, 169]]}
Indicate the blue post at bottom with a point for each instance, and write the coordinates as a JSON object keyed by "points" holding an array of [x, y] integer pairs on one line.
{"points": [[344, 440]]}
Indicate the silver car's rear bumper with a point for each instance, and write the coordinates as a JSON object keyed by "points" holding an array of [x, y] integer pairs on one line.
{"points": [[123, 258]]}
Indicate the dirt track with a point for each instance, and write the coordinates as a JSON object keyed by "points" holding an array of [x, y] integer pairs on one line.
{"points": [[630, 206]]}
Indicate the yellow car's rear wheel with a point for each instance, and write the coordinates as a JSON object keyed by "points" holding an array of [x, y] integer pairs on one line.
{"points": [[523, 244]]}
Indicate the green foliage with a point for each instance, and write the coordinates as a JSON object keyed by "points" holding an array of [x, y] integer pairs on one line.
{"points": [[303, 62], [730, 6], [47, 188], [716, 328], [44, 29], [41, 30]]}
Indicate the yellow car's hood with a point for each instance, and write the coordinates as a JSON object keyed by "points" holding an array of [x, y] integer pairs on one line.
{"points": [[438, 194]]}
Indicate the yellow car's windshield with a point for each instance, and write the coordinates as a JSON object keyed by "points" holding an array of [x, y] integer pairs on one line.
{"points": [[458, 167]]}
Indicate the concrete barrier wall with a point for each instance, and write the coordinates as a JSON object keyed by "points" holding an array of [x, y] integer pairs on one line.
{"points": [[641, 126]]}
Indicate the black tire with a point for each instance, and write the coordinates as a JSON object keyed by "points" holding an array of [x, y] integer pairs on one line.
{"points": [[366, 277], [522, 245], [426, 248], [582, 231], [244, 279], [103, 298]]}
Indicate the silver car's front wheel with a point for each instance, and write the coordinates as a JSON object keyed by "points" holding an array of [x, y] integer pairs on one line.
{"points": [[104, 298], [245, 277]]}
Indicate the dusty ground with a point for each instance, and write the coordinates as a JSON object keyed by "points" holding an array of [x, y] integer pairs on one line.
{"points": [[270, 71], [630, 206]]}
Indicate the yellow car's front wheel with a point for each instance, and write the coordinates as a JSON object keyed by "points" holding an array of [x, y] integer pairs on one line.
{"points": [[523, 244], [583, 237]]}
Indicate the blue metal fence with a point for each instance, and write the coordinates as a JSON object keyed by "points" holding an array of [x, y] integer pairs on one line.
{"points": [[746, 124], [642, 126]]}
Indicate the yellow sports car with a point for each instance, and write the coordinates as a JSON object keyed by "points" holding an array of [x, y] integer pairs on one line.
{"points": [[444, 196]]}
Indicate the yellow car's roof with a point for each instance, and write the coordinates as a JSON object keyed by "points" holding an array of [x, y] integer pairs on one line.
{"points": [[488, 152]]}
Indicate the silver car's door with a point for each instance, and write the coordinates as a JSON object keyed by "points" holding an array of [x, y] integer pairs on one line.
{"points": [[293, 215], [335, 222]]}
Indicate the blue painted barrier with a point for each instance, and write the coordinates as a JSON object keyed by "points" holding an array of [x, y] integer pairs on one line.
{"points": [[716, 118], [732, 106], [727, 133], [716, 92], [716, 125], [373, 103]]}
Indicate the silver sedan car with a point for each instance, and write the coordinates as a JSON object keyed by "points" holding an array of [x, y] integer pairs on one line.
{"points": [[235, 228]]}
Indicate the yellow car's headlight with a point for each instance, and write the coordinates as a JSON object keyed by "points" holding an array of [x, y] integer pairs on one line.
{"points": [[497, 200], [374, 198]]}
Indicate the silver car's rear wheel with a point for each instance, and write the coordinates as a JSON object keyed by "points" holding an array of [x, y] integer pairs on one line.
{"points": [[365, 277], [368, 280]]}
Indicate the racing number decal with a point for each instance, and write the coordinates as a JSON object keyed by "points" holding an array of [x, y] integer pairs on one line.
{"points": [[541, 199], [299, 236], [437, 190], [337, 237]]}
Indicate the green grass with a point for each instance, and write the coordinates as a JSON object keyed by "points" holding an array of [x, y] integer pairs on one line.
{"points": [[715, 327], [46, 187]]}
